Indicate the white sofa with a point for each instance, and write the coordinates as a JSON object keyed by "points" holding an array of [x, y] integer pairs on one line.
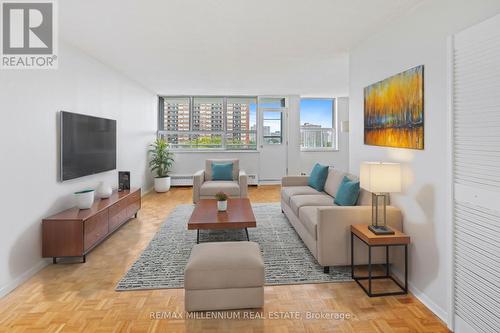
{"points": [[206, 188], [325, 227]]}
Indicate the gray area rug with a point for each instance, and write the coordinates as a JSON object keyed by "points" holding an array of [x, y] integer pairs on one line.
{"points": [[287, 260]]}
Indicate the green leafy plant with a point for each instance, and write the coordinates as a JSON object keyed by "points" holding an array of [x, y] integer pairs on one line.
{"points": [[221, 196], [161, 158]]}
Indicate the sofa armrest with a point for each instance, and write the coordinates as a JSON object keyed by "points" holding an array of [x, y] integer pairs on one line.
{"points": [[243, 183], [294, 181], [198, 179], [334, 228]]}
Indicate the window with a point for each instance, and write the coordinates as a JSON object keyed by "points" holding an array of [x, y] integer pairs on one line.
{"points": [[317, 124], [176, 114], [223, 123], [241, 122], [272, 127]]}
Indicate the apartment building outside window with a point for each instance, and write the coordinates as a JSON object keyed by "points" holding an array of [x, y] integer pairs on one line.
{"points": [[318, 124], [213, 123]]}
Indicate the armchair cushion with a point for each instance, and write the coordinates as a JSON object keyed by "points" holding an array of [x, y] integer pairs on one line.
{"points": [[222, 171], [211, 187], [208, 167]]}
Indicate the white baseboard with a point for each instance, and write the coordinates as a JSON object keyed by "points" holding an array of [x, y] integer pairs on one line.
{"points": [[147, 191], [422, 297], [6, 289], [270, 182]]}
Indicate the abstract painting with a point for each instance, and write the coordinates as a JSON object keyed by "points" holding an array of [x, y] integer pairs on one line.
{"points": [[394, 110]]}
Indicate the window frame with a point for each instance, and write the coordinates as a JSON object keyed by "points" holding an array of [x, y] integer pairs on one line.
{"points": [[335, 146], [224, 133], [264, 137]]}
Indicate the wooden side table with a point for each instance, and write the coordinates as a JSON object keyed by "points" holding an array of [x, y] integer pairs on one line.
{"points": [[362, 232]]}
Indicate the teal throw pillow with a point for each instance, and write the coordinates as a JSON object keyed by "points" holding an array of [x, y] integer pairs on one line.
{"points": [[348, 192], [318, 176], [222, 171]]}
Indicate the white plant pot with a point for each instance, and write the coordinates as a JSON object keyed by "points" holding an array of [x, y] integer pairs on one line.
{"points": [[162, 184], [222, 206], [84, 199], [104, 190]]}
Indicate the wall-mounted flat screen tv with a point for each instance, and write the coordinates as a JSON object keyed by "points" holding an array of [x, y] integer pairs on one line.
{"points": [[88, 145]]}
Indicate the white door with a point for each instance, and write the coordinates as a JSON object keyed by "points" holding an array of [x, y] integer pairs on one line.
{"points": [[272, 139], [476, 178]]}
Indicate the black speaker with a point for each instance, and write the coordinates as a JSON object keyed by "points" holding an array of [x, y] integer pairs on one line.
{"points": [[123, 181]]}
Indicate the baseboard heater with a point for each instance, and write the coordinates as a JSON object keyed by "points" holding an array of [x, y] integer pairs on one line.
{"points": [[187, 180], [181, 180]]}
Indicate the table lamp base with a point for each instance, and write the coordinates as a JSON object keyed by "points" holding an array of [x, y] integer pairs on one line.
{"points": [[380, 230]]}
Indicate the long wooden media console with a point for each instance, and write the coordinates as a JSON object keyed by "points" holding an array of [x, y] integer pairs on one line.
{"points": [[75, 232]]}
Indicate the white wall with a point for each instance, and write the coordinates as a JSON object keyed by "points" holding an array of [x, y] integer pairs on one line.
{"points": [[190, 162], [418, 38], [29, 104]]}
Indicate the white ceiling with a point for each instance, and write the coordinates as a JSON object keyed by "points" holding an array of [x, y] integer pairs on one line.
{"points": [[227, 46]]}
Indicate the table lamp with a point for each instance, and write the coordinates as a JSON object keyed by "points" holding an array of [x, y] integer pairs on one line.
{"points": [[380, 178]]}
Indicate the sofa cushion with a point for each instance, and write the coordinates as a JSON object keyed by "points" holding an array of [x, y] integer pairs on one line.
{"points": [[318, 176], [222, 265], [211, 187], [308, 216], [333, 181], [348, 192], [290, 191], [365, 198], [222, 171], [208, 167], [298, 201]]}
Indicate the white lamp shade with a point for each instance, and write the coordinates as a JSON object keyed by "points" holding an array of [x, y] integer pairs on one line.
{"points": [[380, 177]]}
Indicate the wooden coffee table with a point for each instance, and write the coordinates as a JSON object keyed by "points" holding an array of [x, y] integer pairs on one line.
{"points": [[239, 215]]}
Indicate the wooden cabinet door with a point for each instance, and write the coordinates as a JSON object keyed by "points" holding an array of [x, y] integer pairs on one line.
{"points": [[95, 229], [62, 238], [118, 214], [134, 203]]}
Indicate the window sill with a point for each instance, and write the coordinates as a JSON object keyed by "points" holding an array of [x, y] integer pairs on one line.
{"points": [[313, 150], [191, 151]]}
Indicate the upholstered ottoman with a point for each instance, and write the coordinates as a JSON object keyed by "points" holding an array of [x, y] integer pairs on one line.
{"points": [[225, 275]]}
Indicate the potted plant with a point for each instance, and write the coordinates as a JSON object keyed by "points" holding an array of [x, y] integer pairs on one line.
{"points": [[161, 162], [221, 201]]}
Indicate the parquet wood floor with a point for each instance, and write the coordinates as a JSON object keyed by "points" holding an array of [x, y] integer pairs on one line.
{"points": [[81, 297]]}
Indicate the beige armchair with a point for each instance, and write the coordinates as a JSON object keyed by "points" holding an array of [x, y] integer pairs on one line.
{"points": [[206, 188]]}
